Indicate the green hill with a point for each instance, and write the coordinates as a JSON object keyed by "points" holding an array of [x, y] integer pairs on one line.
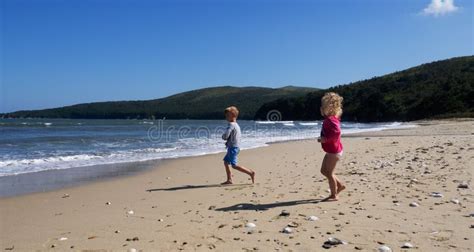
{"points": [[207, 103], [435, 90]]}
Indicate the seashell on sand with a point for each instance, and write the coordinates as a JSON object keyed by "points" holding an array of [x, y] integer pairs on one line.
{"points": [[250, 225], [436, 195], [414, 204], [287, 230], [407, 245], [384, 248]]}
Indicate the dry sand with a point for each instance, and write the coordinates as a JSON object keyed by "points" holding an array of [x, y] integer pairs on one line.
{"points": [[186, 209]]}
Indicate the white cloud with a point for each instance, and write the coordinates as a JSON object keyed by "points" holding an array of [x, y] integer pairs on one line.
{"points": [[440, 8]]}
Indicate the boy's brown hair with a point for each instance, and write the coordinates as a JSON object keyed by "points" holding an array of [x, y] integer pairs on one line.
{"points": [[233, 110]]}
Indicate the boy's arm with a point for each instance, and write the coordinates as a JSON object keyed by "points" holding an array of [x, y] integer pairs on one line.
{"points": [[227, 132]]}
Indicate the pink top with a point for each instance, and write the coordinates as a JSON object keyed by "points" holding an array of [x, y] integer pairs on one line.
{"points": [[331, 131]]}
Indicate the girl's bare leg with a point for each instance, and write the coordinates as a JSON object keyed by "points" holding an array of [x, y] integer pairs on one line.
{"points": [[327, 169], [340, 186]]}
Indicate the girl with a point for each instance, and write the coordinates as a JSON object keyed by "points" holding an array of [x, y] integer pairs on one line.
{"points": [[330, 139]]}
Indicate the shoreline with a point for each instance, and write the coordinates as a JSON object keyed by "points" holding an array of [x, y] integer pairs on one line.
{"points": [[56, 179], [180, 206]]}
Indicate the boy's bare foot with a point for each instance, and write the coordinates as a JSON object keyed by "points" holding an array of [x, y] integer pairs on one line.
{"points": [[340, 189], [330, 198], [228, 182], [252, 176]]}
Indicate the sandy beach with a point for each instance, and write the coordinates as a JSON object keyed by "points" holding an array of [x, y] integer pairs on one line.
{"points": [[403, 186]]}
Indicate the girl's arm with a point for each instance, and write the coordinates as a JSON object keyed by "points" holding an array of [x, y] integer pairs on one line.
{"points": [[332, 132]]}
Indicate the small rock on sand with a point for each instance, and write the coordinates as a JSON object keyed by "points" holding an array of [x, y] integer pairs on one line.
{"points": [[132, 250], [130, 212], [407, 245], [293, 224], [436, 195], [463, 185], [62, 239], [312, 218], [331, 241], [384, 248], [250, 225], [455, 201], [287, 230], [414, 204], [284, 213]]}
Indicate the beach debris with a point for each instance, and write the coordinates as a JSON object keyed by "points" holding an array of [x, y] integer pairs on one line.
{"points": [[130, 212], [414, 204], [472, 226], [65, 196], [108, 203], [132, 250], [168, 178], [384, 248], [455, 201], [160, 220], [332, 242], [287, 230], [133, 239], [91, 237], [117, 231], [293, 224], [436, 195], [53, 245], [211, 208], [62, 239], [10, 248], [284, 213], [407, 245], [312, 218], [250, 225], [463, 185], [471, 214]]}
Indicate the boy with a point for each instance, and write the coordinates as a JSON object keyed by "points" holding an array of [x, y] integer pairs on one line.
{"points": [[232, 136]]}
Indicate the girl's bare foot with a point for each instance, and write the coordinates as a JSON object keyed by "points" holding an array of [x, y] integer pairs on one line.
{"points": [[252, 176], [340, 189], [228, 182]]}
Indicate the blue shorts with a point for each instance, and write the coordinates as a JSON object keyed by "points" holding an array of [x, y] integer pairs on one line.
{"points": [[231, 156]]}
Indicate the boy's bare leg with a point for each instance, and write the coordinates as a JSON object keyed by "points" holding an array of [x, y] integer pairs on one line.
{"points": [[246, 171], [229, 175]]}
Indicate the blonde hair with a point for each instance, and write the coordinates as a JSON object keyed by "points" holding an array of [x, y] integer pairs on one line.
{"points": [[331, 104], [233, 110]]}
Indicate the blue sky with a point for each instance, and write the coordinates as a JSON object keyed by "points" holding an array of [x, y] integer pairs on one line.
{"points": [[63, 52]]}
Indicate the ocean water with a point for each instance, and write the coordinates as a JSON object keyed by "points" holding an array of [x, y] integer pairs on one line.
{"points": [[32, 145]]}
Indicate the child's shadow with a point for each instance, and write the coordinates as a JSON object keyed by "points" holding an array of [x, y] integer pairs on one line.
{"points": [[264, 207], [186, 187]]}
